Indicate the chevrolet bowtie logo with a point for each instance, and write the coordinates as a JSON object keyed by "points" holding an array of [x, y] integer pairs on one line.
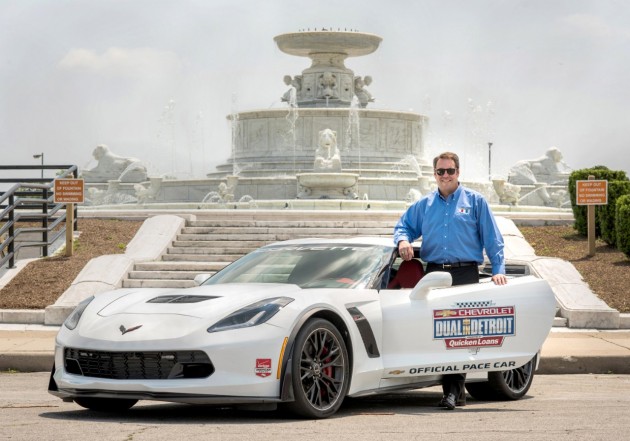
{"points": [[125, 330], [396, 372]]}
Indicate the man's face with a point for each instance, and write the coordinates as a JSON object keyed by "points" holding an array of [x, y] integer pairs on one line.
{"points": [[447, 184]]}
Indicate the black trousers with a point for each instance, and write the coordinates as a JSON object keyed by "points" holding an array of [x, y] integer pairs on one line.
{"points": [[461, 275], [454, 383]]}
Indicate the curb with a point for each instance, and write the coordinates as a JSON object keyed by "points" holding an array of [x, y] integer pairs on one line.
{"points": [[568, 364], [27, 361]]}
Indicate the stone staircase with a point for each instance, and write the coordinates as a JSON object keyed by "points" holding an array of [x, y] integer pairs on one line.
{"points": [[207, 244]]}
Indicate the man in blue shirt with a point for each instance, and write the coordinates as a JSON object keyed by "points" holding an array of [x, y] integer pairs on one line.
{"points": [[456, 225]]}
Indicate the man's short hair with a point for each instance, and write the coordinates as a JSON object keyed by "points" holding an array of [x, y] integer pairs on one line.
{"points": [[446, 155]]}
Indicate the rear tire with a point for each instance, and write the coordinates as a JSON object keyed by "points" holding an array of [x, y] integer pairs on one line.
{"points": [[504, 385], [111, 405], [321, 372]]}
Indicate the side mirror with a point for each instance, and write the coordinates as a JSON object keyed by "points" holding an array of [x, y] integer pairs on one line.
{"points": [[435, 279], [200, 278]]}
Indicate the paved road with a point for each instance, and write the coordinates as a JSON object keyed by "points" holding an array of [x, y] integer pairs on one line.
{"points": [[559, 407]]}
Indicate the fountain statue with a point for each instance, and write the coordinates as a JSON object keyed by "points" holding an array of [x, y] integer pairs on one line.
{"points": [[225, 193], [542, 181], [509, 194], [295, 84], [549, 169], [327, 181], [327, 158], [114, 167], [361, 92], [111, 195]]}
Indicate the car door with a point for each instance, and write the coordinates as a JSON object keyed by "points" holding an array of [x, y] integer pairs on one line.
{"points": [[435, 329]]}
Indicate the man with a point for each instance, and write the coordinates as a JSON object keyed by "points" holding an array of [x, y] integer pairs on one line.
{"points": [[456, 225]]}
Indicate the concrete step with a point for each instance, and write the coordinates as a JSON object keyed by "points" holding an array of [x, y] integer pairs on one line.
{"points": [[164, 275], [309, 215], [281, 235], [209, 251], [221, 223], [142, 283], [315, 231], [232, 237], [199, 267], [223, 249], [201, 257], [190, 240]]}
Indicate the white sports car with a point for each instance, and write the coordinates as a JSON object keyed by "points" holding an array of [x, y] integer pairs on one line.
{"points": [[303, 323]]}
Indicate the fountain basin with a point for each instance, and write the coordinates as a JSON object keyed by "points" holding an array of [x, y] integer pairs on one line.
{"points": [[265, 139], [351, 44], [327, 185]]}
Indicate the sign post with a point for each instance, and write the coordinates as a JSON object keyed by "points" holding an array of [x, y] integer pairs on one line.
{"points": [[69, 192], [592, 192]]}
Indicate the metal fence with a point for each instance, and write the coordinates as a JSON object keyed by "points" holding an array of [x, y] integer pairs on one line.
{"points": [[27, 208]]}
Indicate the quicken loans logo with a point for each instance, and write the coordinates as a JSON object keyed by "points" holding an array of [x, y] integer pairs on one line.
{"points": [[466, 328]]}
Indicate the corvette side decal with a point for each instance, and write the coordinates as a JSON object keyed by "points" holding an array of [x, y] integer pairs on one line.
{"points": [[469, 328]]}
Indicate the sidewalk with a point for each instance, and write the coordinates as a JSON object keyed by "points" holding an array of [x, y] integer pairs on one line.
{"points": [[571, 351], [29, 348]]}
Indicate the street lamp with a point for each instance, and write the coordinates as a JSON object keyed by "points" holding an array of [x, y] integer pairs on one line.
{"points": [[490, 161], [40, 155]]}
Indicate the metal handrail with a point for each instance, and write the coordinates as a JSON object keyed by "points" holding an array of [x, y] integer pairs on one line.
{"points": [[30, 194]]}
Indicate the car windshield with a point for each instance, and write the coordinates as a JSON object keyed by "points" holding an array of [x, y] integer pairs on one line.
{"points": [[309, 266]]}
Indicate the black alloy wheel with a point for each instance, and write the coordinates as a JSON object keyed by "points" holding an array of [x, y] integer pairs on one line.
{"points": [[321, 371], [504, 385]]}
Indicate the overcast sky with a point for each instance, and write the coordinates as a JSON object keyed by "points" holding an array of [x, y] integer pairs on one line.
{"points": [[146, 75]]}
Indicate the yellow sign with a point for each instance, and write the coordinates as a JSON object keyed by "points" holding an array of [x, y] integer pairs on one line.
{"points": [[592, 192], [68, 191]]}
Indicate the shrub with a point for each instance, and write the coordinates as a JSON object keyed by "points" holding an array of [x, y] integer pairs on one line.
{"points": [[605, 214], [622, 224], [579, 211]]}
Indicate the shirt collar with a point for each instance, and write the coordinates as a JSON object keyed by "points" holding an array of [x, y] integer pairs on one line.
{"points": [[452, 195]]}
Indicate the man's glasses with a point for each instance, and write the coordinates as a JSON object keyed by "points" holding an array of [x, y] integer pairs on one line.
{"points": [[441, 171]]}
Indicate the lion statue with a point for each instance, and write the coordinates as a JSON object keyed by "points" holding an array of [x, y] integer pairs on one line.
{"points": [[114, 167], [327, 157], [549, 169]]}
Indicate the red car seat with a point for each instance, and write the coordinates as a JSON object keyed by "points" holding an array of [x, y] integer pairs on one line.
{"points": [[409, 274]]}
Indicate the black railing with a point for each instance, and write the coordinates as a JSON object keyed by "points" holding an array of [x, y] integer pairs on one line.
{"points": [[31, 200]]}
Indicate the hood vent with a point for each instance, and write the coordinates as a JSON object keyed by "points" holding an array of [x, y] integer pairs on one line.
{"points": [[180, 299]]}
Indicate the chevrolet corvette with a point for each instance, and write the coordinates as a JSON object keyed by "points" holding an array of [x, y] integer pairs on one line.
{"points": [[304, 324]]}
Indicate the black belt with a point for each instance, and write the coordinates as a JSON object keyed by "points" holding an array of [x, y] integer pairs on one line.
{"points": [[452, 265]]}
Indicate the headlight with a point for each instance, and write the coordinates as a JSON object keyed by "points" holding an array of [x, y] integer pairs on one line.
{"points": [[73, 320], [251, 315]]}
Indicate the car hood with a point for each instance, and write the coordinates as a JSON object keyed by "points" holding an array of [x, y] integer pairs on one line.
{"points": [[201, 302], [135, 315]]}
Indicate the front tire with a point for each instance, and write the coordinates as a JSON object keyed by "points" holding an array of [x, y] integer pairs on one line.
{"points": [[111, 405], [321, 373], [505, 385]]}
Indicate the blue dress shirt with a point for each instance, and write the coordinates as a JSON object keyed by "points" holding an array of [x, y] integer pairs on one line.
{"points": [[453, 229]]}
